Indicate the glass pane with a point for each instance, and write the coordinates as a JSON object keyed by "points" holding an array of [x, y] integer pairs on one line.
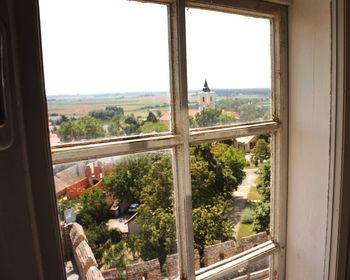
{"points": [[229, 68], [106, 67], [231, 196], [258, 270], [118, 213]]}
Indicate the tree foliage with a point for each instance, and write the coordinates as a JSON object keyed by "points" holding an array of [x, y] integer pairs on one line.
{"points": [[216, 171], [211, 224], [108, 113], [93, 208], [151, 118], [262, 208], [260, 152], [208, 117], [85, 128], [252, 109]]}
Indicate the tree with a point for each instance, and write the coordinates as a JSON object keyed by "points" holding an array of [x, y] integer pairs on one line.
{"points": [[226, 119], [98, 236], [211, 224], [156, 210], [216, 170], [108, 113], [262, 209], [93, 208], [131, 125], [151, 118], [90, 128], [86, 128], [69, 131], [260, 152], [126, 179], [158, 234], [116, 255], [208, 117], [64, 119]]}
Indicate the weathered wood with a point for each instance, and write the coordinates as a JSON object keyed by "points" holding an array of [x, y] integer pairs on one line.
{"points": [[77, 235], [83, 151], [94, 273], [84, 258], [222, 268]]}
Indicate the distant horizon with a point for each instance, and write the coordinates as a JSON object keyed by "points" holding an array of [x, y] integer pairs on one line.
{"points": [[71, 94]]}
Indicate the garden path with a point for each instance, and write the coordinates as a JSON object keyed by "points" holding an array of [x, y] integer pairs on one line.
{"points": [[241, 194]]}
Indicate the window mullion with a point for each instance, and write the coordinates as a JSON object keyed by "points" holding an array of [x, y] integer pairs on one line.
{"points": [[279, 171], [181, 162]]}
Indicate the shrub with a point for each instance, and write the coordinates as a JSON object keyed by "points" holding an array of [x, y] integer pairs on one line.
{"points": [[247, 216]]}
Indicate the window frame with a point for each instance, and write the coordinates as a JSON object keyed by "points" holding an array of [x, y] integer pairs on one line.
{"points": [[181, 136]]}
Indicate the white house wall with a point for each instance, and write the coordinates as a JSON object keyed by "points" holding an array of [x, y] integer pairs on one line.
{"points": [[309, 133]]}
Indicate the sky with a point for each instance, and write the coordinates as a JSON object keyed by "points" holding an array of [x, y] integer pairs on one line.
{"points": [[110, 46]]}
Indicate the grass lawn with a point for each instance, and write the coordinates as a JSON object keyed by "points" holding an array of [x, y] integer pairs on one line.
{"points": [[244, 230], [254, 194]]}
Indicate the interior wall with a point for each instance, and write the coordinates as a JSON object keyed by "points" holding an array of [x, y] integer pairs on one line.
{"points": [[309, 137]]}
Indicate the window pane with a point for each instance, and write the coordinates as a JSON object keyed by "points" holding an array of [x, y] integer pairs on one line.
{"points": [[106, 67], [125, 206], [231, 196], [229, 68]]}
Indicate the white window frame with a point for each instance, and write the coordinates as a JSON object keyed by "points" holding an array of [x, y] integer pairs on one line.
{"points": [[181, 137]]}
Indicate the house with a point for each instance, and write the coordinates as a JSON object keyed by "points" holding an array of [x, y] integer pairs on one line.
{"points": [[244, 143], [133, 226], [317, 236]]}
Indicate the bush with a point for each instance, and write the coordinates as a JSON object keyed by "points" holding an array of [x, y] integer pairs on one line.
{"points": [[247, 216]]}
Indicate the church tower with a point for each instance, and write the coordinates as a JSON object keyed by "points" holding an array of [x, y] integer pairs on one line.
{"points": [[206, 98]]}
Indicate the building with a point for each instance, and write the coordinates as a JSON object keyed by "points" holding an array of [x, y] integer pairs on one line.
{"points": [[244, 143], [206, 98], [317, 237]]}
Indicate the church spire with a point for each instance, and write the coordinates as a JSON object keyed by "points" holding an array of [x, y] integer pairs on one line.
{"points": [[206, 88]]}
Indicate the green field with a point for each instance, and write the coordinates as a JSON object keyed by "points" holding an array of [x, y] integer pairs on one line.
{"points": [[140, 106]]}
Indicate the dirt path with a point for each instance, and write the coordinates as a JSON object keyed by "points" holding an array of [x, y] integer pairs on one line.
{"points": [[241, 194]]}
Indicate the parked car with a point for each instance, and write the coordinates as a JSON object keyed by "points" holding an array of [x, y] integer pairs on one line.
{"points": [[133, 208]]}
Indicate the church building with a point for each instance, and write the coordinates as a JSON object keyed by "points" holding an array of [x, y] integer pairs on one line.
{"points": [[206, 98]]}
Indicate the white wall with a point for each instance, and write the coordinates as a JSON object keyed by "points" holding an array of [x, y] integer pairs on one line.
{"points": [[309, 132]]}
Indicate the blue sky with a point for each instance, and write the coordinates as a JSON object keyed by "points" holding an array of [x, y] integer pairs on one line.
{"points": [[94, 46]]}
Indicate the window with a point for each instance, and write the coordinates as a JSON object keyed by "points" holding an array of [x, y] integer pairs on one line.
{"points": [[171, 145]]}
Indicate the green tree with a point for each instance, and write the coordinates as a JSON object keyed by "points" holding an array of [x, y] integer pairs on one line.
{"points": [[262, 210], [216, 171], [85, 128], [156, 211], [158, 235], [134, 243], [131, 125], [211, 224], [90, 128], [64, 119], [127, 178], [69, 131], [151, 118], [93, 208], [98, 235], [208, 117], [260, 152], [116, 255], [226, 119]]}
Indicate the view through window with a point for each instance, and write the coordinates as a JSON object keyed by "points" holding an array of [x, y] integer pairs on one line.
{"points": [[160, 175]]}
